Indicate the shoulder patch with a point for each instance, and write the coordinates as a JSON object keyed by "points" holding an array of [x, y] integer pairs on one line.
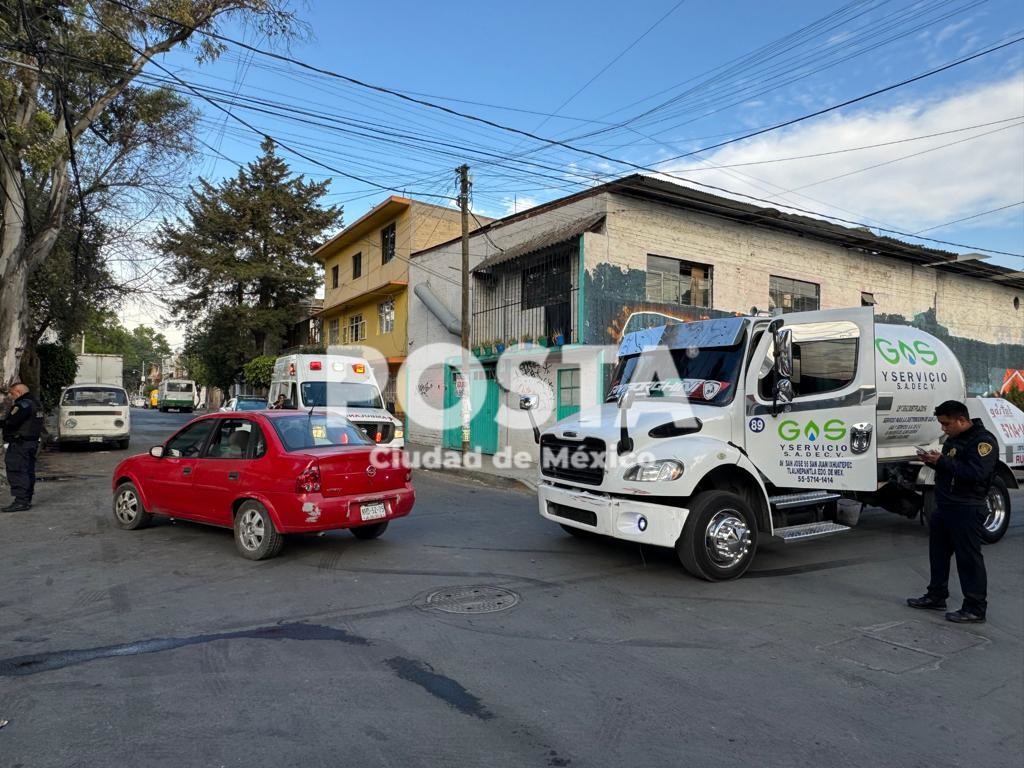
{"points": [[951, 453], [14, 409], [984, 449]]}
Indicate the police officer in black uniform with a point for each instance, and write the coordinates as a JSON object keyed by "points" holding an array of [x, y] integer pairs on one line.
{"points": [[963, 472], [21, 430]]}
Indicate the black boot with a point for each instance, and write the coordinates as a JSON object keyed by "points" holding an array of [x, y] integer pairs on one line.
{"points": [[16, 506]]}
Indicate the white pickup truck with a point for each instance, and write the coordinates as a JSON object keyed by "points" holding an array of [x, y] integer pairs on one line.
{"points": [[720, 432]]}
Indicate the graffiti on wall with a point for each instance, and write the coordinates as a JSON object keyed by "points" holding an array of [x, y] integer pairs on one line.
{"points": [[1012, 379]]}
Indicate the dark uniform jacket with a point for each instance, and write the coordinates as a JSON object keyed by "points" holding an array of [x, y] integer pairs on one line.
{"points": [[965, 469], [24, 421]]}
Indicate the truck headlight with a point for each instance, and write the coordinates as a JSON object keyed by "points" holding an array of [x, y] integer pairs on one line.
{"points": [[70, 423], [399, 432], [655, 471]]}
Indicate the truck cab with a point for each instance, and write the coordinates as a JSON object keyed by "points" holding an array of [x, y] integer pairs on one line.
{"points": [[717, 433], [340, 382]]}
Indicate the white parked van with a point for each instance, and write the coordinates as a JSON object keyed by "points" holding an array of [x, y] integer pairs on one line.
{"points": [[339, 382], [94, 413]]}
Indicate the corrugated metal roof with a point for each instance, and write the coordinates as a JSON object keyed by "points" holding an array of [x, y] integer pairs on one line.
{"points": [[550, 237]]}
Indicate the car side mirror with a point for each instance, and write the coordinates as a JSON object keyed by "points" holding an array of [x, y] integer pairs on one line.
{"points": [[528, 402], [157, 451]]}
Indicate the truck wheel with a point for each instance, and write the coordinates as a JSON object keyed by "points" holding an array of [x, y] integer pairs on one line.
{"points": [[371, 531], [998, 518], [129, 514], [720, 537], [255, 535]]}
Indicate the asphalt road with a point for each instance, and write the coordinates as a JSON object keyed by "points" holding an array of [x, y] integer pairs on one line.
{"points": [[162, 647]]}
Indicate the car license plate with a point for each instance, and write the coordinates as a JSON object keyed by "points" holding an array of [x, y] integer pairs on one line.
{"points": [[95, 439], [373, 511]]}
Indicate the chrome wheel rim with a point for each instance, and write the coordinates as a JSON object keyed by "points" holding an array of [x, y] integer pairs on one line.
{"points": [[250, 530], [727, 538], [996, 512], [127, 506]]}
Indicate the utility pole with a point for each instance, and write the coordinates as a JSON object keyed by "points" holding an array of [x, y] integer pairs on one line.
{"points": [[463, 171]]}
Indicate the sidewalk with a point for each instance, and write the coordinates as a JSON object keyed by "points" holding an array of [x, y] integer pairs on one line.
{"points": [[491, 469]]}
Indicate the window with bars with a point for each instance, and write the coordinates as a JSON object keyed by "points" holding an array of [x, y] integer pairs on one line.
{"points": [[334, 276], [355, 330], [357, 264], [791, 295], [387, 243], [674, 281], [386, 316], [333, 331]]}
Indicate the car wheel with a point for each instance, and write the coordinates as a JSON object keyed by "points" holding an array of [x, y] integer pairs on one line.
{"points": [[129, 514], [579, 533], [994, 526], [255, 534], [720, 537], [371, 531]]}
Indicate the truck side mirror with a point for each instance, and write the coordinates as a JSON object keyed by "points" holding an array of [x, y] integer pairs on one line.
{"points": [[528, 402], [784, 353]]}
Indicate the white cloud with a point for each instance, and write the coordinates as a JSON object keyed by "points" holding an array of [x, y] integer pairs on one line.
{"points": [[909, 195], [516, 204]]}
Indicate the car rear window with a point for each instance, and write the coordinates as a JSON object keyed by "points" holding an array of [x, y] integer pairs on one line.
{"points": [[83, 396], [300, 431]]}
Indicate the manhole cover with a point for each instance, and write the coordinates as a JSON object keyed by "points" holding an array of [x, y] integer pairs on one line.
{"points": [[471, 599]]}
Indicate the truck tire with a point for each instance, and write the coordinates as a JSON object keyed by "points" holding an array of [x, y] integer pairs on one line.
{"points": [[720, 537], [993, 528]]}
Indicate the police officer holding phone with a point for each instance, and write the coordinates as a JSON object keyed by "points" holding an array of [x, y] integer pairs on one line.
{"points": [[21, 430], [963, 472]]}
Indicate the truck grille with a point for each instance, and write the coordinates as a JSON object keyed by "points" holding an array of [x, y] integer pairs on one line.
{"points": [[372, 428], [579, 461], [584, 516]]}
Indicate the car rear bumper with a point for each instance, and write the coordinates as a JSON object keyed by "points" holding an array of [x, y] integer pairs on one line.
{"points": [[619, 517], [313, 512]]}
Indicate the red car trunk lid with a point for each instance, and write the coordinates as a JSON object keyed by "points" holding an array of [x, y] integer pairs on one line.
{"points": [[352, 471]]}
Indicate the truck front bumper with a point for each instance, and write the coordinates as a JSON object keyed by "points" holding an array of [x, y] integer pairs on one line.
{"points": [[620, 517]]}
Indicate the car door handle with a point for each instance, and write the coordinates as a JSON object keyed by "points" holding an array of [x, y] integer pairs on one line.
{"points": [[187, 471], [232, 475]]}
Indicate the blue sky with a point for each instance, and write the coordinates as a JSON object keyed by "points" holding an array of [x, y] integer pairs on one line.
{"points": [[640, 83]]}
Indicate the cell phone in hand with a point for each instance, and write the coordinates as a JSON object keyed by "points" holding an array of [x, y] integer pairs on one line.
{"points": [[921, 449]]}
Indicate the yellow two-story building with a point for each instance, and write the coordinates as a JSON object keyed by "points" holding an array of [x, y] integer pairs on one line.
{"points": [[366, 268]]}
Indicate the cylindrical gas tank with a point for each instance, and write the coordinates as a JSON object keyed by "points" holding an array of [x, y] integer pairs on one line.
{"points": [[914, 372]]}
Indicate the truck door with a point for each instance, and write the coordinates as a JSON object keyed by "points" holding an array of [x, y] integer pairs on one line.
{"points": [[824, 439]]}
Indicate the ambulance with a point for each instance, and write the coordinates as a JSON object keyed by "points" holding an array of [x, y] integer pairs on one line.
{"points": [[339, 382], [718, 434]]}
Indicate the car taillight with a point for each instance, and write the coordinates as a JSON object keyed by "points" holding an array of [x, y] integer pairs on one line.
{"points": [[309, 480]]}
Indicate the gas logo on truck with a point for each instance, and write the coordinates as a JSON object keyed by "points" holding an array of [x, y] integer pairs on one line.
{"points": [[919, 351], [832, 430]]}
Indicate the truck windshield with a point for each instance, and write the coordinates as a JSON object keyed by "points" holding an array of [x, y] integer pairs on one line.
{"points": [[700, 375], [83, 396], [340, 394]]}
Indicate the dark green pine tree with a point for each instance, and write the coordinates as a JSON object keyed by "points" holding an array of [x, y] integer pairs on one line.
{"points": [[241, 257]]}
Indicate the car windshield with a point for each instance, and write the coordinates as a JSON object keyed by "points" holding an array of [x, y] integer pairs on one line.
{"points": [[698, 375], [82, 396], [340, 394], [300, 431], [246, 404]]}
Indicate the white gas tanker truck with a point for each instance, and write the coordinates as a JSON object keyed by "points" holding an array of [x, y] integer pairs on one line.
{"points": [[718, 433]]}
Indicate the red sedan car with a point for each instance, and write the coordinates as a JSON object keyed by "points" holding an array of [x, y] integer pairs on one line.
{"points": [[266, 474]]}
